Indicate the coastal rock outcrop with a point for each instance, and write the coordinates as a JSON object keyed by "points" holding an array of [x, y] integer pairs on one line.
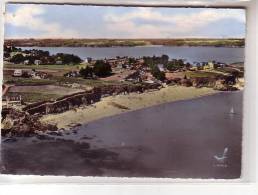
{"points": [[186, 82], [19, 123], [224, 83], [203, 82]]}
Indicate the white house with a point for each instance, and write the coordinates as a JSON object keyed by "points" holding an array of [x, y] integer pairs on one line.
{"points": [[26, 62], [59, 62], [209, 66], [161, 67], [37, 62], [17, 73]]}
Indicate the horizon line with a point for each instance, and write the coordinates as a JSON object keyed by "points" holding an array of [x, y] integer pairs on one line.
{"points": [[132, 38]]}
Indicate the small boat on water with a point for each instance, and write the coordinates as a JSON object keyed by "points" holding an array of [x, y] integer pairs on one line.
{"points": [[232, 111], [221, 158]]}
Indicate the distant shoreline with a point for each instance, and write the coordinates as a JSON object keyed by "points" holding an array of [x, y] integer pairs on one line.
{"points": [[133, 46], [231, 43]]}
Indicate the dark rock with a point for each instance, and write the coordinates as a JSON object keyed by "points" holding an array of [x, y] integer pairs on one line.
{"points": [[23, 124], [44, 137], [86, 137], [55, 133], [9, 140], [186, 82]]}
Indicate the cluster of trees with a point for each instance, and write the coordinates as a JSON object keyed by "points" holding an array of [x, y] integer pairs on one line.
{"points": [[44, 56], [153, 61], [17, 59], [131, 60], [172, 65], [157, 73], [67, 58], [31, 56], [100, 69], [8, 50], [176, 64], [11, 49], [164, 59]]}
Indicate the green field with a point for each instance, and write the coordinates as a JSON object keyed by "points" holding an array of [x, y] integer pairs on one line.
{"points": [[42, 67], [57, 80], [35, 97], [44, 95], [201, 74]]}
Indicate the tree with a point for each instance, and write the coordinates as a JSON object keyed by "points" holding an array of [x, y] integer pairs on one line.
{"points": [[157, 73], [131, 60], [237, 74], [164, 59], [175, 64], [188, 65], [17, 59], [102, 68], [86, 72], [6, 54]]}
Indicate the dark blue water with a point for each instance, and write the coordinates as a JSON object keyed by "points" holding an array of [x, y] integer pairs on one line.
{"points": [[176, 140], [191, 54]]}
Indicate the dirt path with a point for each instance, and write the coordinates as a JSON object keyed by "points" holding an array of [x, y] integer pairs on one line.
{"points": [[6, 88]]}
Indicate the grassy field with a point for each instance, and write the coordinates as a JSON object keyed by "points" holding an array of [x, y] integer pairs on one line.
{"points": [[42, 67], [26, 81], [44, 95], [194, 74], [31, 97], [55, 70], [57, 80]]}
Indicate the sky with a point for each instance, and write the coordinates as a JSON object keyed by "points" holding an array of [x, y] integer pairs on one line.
{"points": [[68, 21]]}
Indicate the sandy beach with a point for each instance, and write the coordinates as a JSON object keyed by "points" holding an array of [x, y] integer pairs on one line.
{"points": [[114, 105]]}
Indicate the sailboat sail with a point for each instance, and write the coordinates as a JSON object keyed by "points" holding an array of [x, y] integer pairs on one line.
{"points": [[232, 111]]}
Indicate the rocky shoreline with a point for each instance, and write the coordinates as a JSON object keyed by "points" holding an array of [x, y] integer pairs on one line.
{"points": [[20, 123]]}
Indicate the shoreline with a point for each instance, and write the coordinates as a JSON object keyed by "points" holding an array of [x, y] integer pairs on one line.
{"points": [[114, 105], [212, 46], [108, 42]]}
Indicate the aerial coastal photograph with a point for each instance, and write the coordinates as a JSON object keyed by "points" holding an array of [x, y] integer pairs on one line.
{"points": [[113, 91]]}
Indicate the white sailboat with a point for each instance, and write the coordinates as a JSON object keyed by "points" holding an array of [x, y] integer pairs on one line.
{"points": [[232, 111], [223, 157]]}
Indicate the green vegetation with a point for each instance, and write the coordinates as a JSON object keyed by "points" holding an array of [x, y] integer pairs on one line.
{"points": [[102, 69], [36, 56], [31, 97], [131, 60], [60, 80], [17, 58], [26, 81], [157, 73], [41, 67], [201, 74], [124, 42], [86, 72], [68, 58], [175, 64], [154, 60], [235, 72]]}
